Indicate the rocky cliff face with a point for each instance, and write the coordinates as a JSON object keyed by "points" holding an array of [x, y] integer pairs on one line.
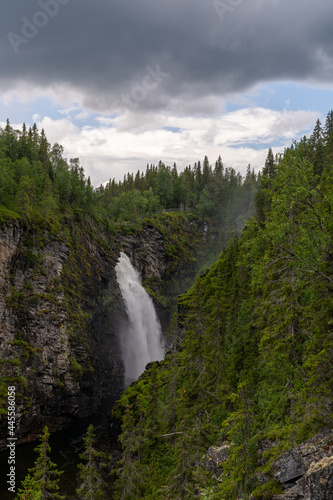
{"points": [[146, 251], [59, 372], [61, 312]]}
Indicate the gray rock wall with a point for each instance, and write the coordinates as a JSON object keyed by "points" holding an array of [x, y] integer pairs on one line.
{"points": [[306, 471], [52, 382]]}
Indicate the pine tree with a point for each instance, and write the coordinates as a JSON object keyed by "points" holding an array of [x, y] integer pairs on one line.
{"points": [[132, 475], [92, 487], [270, 167], [198, 174], [10, 141], [29, 491], [174, 173], [206, 172], [43, 482], [264, 195], [23, 142], [317, 155], [239, 428], [328, 138], [218, 171]]}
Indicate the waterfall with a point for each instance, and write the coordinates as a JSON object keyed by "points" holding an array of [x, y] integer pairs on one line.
{"points": [[142, 340]]}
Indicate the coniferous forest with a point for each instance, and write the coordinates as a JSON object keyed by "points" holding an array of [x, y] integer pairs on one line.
{"points": [[41, 186], [249, 356]]}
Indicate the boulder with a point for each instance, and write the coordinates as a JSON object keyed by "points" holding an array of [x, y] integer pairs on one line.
{"points": [[214, 457], [306, 471], [318, 481]]}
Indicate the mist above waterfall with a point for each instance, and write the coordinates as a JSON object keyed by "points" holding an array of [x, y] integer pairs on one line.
{"points": [[141, 341]]}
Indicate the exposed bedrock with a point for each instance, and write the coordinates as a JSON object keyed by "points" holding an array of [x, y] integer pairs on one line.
{"points": [[59, 347]]}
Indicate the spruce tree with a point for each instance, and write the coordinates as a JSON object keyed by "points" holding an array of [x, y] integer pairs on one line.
{"points": [[92, 487], [29, 491], [43, 482], [218, 171], [23, 142], [206, 173], [132, 474], [270, 167], [264, 194], [328, 138], [317, 156]]}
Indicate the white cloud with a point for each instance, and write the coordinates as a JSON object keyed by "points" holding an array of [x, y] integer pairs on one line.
{"points": [[83, 115], [117, 145], [110, 150]]}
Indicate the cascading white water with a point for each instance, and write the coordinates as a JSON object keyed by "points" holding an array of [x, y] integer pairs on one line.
{"points": [[142, 340]]}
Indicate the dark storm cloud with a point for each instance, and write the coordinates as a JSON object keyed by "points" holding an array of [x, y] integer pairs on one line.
{"points": [[103, 49]]}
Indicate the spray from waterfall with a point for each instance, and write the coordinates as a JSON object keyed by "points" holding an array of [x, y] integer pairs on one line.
{"points": [[142, 340]]}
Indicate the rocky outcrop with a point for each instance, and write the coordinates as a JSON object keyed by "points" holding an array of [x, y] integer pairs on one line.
{"points": [[146, 251], [10, 237], [306, 471], [9, 240], [214, 457]]}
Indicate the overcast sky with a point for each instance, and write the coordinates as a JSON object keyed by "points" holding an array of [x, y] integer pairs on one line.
{"points": [[120, 83]]}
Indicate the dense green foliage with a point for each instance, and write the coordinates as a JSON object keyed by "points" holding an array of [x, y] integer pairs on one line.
{"points": [[255, 361]]}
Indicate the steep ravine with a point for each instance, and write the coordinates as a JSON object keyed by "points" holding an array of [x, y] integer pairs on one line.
{"points": [[61, 313]]}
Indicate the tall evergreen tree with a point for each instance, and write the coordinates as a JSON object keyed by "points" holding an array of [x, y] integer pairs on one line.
{"points": [[206, 172], [93, 486], [270, 168], [317, 155], [328, 138], [44, 479]]}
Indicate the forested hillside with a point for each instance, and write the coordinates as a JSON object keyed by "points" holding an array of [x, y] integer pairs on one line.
{"points": [[251, 361], [41, 186]]}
